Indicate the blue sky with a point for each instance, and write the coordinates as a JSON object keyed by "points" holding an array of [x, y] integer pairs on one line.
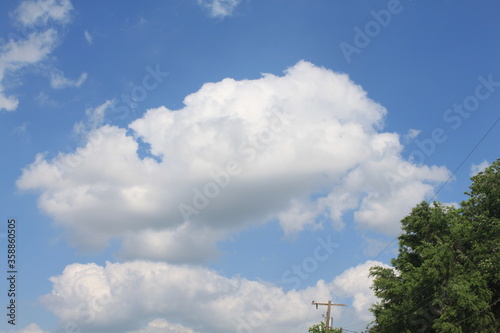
{"points": [[216, 165]]}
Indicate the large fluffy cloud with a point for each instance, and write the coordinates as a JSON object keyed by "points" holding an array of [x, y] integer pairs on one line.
{"points": [[305, 148], [157, 297]]}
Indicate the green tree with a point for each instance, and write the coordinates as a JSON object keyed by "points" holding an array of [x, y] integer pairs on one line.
{"points": [[321, 328], [446, 275]]}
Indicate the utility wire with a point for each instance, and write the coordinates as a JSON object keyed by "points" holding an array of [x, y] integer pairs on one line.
{"points": [[430, 200], [461, 321], [465, 159], [439, 190]]}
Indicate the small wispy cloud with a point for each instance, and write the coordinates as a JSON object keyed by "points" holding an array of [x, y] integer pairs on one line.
{"points": [[477, 168], [220, 8], [44, 100], [59, 81], [411, 135], [88, 37], [96, 115], [94, 118], [7, 103], [17, 54], [22, 132]]}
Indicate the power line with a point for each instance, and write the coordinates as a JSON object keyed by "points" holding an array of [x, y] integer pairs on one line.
{"points": [[465, 159], [430, 200], [461, 321], [305, 320], [410, 311], [439, 190]]}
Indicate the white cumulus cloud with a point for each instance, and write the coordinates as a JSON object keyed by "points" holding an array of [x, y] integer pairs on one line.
{"points": [[305, 148], [158, 297]]}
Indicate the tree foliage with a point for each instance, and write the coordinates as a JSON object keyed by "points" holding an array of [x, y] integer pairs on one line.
{"points": [[446, 276], [321, 328]]}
